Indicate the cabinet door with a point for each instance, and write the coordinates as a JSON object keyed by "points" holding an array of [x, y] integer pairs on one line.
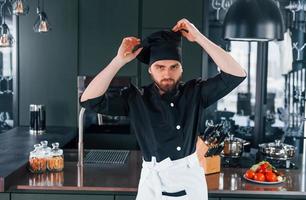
{"points": [[248, 199], [4, 196], [102, 26], [164, 14], [59, 197], [121, 197], [134, 197], [192, 60]]}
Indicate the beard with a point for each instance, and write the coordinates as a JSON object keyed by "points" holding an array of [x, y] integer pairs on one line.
{"points": [[166, 85]]}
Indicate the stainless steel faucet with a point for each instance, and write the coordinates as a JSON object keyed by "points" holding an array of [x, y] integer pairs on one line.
{"points": [[81, 148], [81, 144], [100, 119]]}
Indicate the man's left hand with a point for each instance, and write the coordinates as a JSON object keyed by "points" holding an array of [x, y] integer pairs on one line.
{"points": [[187, 29]]}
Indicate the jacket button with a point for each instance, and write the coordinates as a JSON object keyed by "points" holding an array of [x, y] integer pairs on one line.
{"points": [[178, 127], [178, 148]]}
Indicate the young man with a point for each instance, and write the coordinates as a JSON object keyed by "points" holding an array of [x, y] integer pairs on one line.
{"points": [[164, 114]]}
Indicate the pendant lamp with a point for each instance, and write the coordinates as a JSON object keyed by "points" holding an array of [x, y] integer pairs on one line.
{"points": [[6, 38], [42, 24], [253, 20], [20, 7], [259, 21]]}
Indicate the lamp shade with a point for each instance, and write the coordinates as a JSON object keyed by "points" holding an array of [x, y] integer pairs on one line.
{"points": [[253, 20], [20, 7], [6, 38], [42, 24]]}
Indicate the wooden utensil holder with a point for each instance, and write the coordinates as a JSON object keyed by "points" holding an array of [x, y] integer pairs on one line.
{"points": [[211, 164]]}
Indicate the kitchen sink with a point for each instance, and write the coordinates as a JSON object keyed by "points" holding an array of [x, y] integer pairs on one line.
{"points": [[98, 156]]}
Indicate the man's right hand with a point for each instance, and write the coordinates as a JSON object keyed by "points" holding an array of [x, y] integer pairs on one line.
{"points": [[125, 53]]}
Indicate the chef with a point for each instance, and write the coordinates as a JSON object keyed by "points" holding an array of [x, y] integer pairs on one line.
{"points": [[164, 115]]}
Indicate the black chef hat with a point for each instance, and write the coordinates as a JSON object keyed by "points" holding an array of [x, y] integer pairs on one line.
{"points": [[161, 45]]}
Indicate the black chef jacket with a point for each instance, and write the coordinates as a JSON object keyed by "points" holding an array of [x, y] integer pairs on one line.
{"points": [[166, 125]]}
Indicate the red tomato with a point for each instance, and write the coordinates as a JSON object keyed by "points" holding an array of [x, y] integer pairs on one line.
{"points": [[250, 174], [268, 170], [259, 170], [259, 177], [264, 166], [271, 177]]}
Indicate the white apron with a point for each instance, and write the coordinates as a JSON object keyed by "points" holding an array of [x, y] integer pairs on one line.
{"points": [[182, 179]]}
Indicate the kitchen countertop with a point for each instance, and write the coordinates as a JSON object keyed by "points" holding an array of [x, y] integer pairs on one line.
{"points": [[16, 144], [116, 177], [124, 179]]}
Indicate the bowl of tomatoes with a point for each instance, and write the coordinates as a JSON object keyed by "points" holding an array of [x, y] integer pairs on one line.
{"points": [[264, 173]]}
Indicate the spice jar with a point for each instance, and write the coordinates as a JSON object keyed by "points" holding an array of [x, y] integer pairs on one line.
{"points": [[55, 178], [38, 179], [56, 160], [37, 161]]}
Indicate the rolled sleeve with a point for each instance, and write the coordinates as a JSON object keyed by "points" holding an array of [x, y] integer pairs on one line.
{"points": [[98, 104], [218, 86], [115, 104]]}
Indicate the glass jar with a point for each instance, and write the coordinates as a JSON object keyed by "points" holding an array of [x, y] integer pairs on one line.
{"points": [[56, 178], [56, 160], [37, 161], [46, 151], [38, 179]]}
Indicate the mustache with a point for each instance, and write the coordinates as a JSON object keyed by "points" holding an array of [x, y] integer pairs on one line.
{"points": [[167, 79]]}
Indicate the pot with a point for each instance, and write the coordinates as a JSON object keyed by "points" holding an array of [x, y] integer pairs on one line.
{"points": [[233, 146], [277, 150]]}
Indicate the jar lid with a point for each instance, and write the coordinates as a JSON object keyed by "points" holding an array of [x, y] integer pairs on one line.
{"points": [[37, 152], [46, 151], [56, 151], [35, 107]]}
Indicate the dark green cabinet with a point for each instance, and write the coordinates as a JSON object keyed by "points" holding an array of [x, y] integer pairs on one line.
{"points": [[60, 197], [242, 199], [102, 26], [4, 196], [122, 197], [48, 63], [108, 196], [263, 198], [164, 14]]}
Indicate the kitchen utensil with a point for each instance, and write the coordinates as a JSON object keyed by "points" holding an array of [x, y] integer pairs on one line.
{"points": [[277, 150], [37, 119], [233, 146]]}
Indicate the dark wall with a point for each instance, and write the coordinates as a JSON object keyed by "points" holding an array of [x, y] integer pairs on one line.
{"points": [[102, 25], [85, 37], [48, 63]]}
